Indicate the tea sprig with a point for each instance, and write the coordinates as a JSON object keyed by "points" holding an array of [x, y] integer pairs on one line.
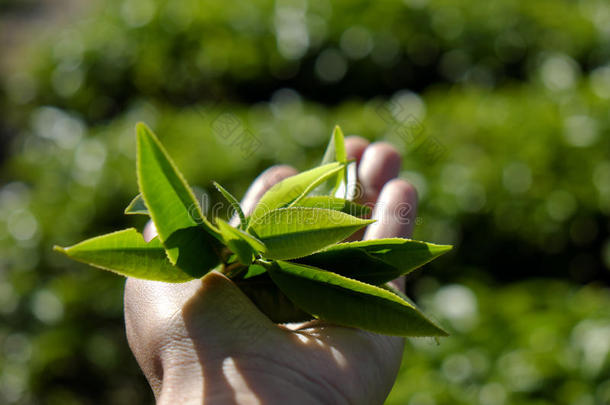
{"points": [[287, 255]]}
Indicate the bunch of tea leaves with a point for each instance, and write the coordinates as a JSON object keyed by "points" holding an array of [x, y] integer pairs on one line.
{"points": [[287, 256]]}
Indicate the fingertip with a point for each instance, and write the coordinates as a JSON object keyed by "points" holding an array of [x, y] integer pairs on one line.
{"points": [[400, 189], [395, 211], [380, 163], [150, 231], [275, 174], [355, 146]]}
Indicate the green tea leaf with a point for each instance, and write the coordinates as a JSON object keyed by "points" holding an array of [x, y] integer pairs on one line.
{"points": [[339, 138], [394, 290], [348, 302], [241, 243], [254, 270], [375, 261], [269, 299], [243, 251], [137, 206], [256, 244], [291, 188], [234, 203], [173, 208], [168, 197], [335, 152], [195, 250], [340, 156], [335, 203], [295, 232], [126, 253], [315, 184]]}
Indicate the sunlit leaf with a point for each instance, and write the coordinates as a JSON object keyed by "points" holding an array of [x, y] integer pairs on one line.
{"points": [[335, 152], [254, 270], [184, 231], [315, 184], [241, 243], [291, 188], [234, 204], [295, 232], [335, 203], [375, 261], [340, 156], [348, 302], [126, 253]]}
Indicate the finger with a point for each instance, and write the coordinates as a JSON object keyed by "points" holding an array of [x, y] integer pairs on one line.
{"points": [[150, 231], [355, 147], [395, 214], [221, 314], [380, 163], [261, 184]]}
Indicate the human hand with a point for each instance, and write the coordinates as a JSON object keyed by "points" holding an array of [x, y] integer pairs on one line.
{"points": [[204, 341]]}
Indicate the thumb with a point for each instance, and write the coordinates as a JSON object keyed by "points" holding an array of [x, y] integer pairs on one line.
{"points": [[219, 314], [169, 323]]}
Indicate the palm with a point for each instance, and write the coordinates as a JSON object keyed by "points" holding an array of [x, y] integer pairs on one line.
{"points": [[206, 340]]}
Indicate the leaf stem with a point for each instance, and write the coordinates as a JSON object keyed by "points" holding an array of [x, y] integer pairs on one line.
{"points": [[265, 263], [233, 270]]}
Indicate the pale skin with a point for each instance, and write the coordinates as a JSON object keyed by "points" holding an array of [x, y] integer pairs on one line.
{"points": [[205, 342]]}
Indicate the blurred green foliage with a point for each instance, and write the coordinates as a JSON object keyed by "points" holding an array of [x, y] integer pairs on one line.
{"points": [[188, 50], [501, 112], [534, 342]]}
